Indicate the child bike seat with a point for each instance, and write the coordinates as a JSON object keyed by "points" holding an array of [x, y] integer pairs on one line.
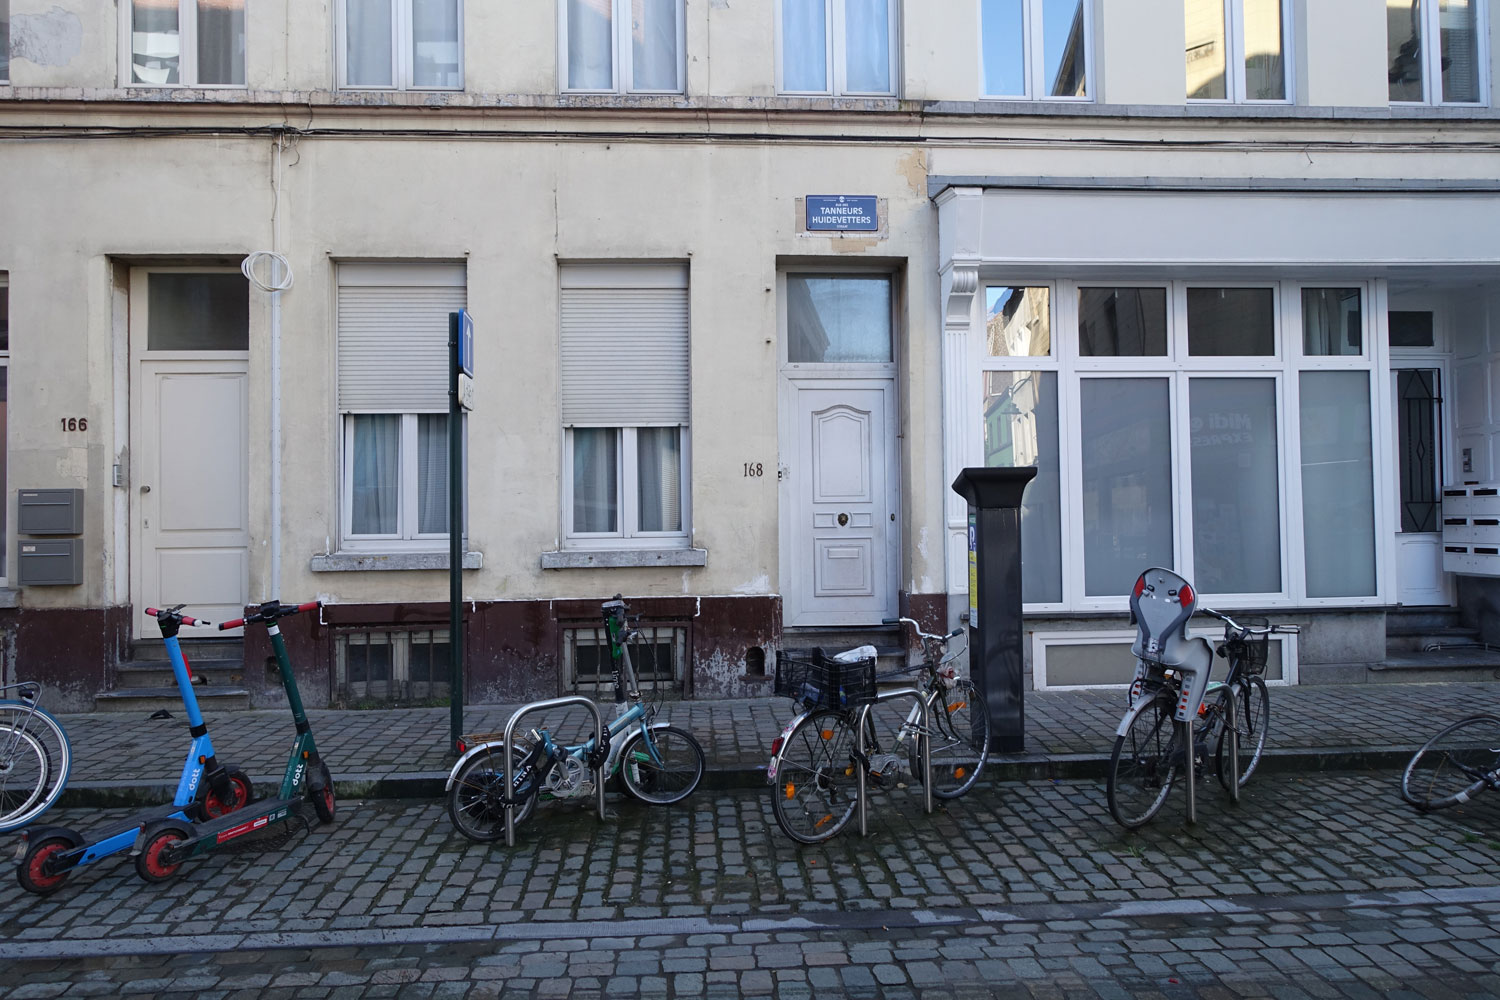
{"points": [[1160, 605]]}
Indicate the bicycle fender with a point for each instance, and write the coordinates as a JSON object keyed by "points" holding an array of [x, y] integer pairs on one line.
{"points": [[775, 762], [477, 748]]}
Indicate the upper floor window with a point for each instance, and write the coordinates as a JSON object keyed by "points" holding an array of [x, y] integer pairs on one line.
{"points": [[184, 43], [1035, 49], [4, 41], [837, 47], [629, 46], [1450, 72], [401, 44], [1237, 50]]}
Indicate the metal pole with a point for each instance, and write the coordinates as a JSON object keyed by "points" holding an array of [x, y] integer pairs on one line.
{"points": [[859, 763], [455, 549], [1192, 753], [1233, 722]]}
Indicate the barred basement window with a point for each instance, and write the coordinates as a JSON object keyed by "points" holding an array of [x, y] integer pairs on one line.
{"points": [[392, 666], [658, 656]]}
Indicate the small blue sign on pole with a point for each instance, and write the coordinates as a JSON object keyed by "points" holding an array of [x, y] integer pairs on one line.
{"points": [[842, 213], [466, 343]]}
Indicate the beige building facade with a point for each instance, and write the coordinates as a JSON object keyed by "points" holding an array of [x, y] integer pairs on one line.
{"points": [[231, 236]]}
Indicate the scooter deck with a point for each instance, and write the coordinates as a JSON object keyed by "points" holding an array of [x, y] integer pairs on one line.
{"points": [[115, 837], [247, 820]]}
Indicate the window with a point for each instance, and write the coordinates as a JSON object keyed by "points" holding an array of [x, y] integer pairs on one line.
{"points": [[396, 666], [4, 417], [837, 47], [1237, 50], [629, 46], [401, 44], [1037, 49], [4, 41], [183, 43], [393, 402], [1451, 72], [658, 656], [625, 406]]}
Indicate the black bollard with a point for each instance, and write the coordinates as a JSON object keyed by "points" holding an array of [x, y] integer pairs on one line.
{"points": [[995, 659]]}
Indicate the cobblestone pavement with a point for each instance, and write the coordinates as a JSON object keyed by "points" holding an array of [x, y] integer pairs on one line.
{"points": [[1310, 723], [1316, 886]]}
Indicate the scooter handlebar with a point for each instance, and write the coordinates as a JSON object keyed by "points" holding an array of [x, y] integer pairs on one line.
{"points": [[174, 613], [270, 611]]}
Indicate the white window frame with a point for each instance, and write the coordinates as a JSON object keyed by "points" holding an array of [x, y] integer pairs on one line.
{"points": [[406, 537], [1035, 70], [187, 54], [835, 55], [622, 54], [1179, 368], [1432, 63], [401, 44], [1234, 82]]}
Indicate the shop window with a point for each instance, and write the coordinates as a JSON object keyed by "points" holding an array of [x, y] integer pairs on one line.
{"points": [[1236, 485], [1451, 71], [1237, 50], [1020, 429], [1122, 322], [1035, 49], [837, 47], [1338, 501], [173, 43], [401, 44], [1018, 322], [1332, 322], [1231, 322], [625, 46]]}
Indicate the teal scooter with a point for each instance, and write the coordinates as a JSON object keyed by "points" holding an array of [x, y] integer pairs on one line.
{"points": [[162, 845]]}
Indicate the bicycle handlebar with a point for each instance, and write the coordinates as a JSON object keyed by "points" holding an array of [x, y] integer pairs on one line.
{"points": [[944, 636], [1251, 629], [270, 612], [176, 613]]}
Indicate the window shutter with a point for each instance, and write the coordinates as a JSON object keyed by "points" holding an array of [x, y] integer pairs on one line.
{"points": [[393, 336], [624, 346]]}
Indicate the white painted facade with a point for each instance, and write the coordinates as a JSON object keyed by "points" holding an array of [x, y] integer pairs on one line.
{"points": [[514, 176]]}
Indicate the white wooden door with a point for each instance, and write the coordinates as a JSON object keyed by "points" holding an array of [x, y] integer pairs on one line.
{"points": [[190, 482], [838, 502]]}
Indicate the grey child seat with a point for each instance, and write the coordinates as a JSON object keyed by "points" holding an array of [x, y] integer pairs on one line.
{"points": [[1160, 605]]}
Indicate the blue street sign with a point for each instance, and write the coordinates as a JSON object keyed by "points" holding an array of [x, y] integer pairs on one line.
{"points": [[842, 213], [466, 343]]}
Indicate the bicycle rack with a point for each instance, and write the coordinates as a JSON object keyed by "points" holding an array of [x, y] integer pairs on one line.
{"points": [[924, 746], [509, 747]]}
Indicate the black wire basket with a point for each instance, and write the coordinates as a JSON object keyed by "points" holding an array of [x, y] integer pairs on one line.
{"points": [[1252, 649], [819, 681]]}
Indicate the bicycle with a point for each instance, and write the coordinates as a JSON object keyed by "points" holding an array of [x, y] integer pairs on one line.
{"points": [[658, 763], [1173, 705], [35, 757], [1455, 765]]}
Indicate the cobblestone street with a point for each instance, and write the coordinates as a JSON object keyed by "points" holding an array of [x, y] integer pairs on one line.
{"points": [[1317, 885]]}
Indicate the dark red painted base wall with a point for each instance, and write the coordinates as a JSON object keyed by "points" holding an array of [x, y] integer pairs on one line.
{"points": [[72, 651]]}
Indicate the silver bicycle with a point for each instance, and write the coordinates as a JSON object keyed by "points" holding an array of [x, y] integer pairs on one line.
{"points": [[34, 756]]}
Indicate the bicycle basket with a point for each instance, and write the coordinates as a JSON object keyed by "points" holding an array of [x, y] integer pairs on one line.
{"points": [[819, 681], [1253, 649]]}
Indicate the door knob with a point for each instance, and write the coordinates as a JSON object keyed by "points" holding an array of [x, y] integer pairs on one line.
{"points": [[145, 489]]}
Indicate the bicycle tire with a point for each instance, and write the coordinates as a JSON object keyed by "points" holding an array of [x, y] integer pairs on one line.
{"points": [[47, 731], [1454, 765], [959, 738], [666, 775], [1144, 761], [816, 786], [474, 801], [24, 769], [1253, 719]]}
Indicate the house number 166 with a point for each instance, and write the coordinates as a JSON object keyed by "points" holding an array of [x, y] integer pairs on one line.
{"points": [[74, 423]]}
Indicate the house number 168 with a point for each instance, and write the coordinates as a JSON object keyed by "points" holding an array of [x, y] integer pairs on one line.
{"points": [[754, 470]]}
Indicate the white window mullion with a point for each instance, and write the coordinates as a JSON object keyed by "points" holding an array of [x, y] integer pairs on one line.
{"points": [[187, 35], [1034, 66], [833, 34], [630, 515], [1234, 25], [1180, 423], [406, 506], [622, 54], [401, 26]]}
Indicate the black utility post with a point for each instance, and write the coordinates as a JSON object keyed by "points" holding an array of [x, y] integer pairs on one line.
{"points": [[995, 660], [460, 373]]}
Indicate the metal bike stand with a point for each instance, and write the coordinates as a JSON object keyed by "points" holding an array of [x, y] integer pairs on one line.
{"points": [[1231, 719], [924, 749], [1192, 770], [509, 746]]}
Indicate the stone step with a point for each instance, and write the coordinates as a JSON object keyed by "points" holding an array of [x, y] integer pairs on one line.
{"points": [[194, 649], [148, 700], [1406, 639], [157, 674], [1405, 619]]}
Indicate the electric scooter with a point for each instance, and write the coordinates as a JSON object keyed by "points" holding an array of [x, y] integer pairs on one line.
{"points": [[207, 789], [164, 843]]}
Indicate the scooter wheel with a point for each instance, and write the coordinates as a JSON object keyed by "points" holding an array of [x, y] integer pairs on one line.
{"points": [[32, 871], [322, 796], [237, 796], [149, 864]]}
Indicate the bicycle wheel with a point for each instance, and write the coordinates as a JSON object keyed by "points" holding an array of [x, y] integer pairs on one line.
{"points": [[48, 732], [474, 801], [23, 776], [960, 740], [816, 785], [1454, 764], [1144, 762], [1253, 717], [664, 769]]}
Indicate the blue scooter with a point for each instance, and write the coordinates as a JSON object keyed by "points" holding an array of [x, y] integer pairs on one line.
{"points": [[47, 855]]}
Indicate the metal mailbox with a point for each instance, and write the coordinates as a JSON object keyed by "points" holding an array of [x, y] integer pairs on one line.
{"points": [[51, 563], [1471, 529], [49, 512]]}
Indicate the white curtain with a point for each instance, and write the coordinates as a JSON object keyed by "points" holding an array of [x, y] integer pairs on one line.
{"points": [[590, 59], [804, 45], [660, 478], [434, 41], [867, 46], [653, 41], [221, 41], [595, 479], [377, 473], [432, 473], [367, 60]]}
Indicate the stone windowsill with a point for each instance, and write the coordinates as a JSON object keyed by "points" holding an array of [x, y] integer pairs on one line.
{"points": [[345, 562], [623, 558]]}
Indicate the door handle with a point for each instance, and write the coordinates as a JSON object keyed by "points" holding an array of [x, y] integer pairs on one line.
{"points": [[145, 489]]}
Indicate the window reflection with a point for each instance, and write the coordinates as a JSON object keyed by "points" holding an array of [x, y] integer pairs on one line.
{"points": [[1265, 62], [1064, 52], [1332, 322], [1018, 322], [1020, 429], [1122, 322], [838, 320], [1207, 58]]}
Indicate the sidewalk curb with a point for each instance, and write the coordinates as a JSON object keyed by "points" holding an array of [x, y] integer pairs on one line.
{"points": [[1017, 767]]}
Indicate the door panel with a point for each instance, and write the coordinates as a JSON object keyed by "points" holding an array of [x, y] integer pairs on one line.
{"points": [[1418, 415]]}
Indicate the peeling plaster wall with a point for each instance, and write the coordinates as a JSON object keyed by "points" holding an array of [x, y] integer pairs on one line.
{"points": [[62, 45]]}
